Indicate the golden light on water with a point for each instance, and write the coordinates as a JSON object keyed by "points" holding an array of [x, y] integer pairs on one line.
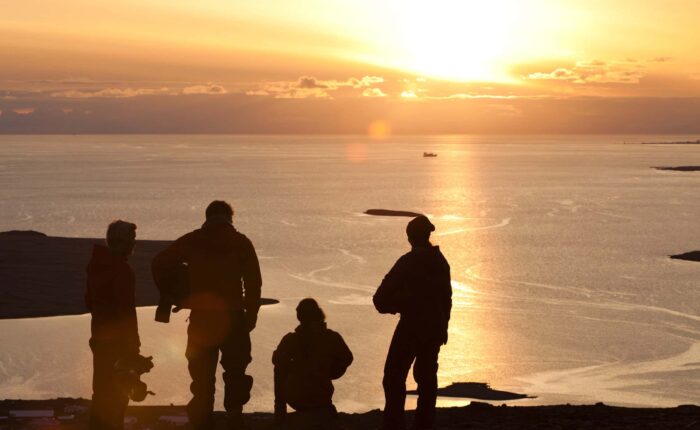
{"points": [[465, 233]]}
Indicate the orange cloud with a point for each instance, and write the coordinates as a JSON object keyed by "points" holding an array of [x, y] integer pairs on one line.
{"points": [[212, 89], [111, 93], [373, 92], [596, 72], [311, 87]]}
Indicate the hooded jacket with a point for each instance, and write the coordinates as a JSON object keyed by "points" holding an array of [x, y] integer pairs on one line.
{"points": [[311, 357], [418, 287], [222, 266], [110, 299]]}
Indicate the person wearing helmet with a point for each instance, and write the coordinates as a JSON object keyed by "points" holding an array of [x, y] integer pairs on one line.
{"points": [[114, 330], [418, 288]]}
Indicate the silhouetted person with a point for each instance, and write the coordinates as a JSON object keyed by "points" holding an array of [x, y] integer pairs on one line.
{"points": [[306, 362], [224, 282], [417, 287], [114, 329]]}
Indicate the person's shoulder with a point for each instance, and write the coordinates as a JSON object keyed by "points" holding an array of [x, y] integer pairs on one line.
{"points": [[287, 339], [406, 259], [188, 237], [124, 269], [242, 239], [334, 335]]}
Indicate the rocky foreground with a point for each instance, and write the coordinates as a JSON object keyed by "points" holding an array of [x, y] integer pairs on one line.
{"points": [[477, 416]]}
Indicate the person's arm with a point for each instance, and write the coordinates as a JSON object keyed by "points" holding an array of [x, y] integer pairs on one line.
{"points": [[342, 357], [252, 284], [165, 262], [125, 303], [447, 300], [386, 298]]}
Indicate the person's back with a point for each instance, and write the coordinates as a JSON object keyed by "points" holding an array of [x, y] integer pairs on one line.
{"points": [[307, 361], [219, 260], [224, 296], [418, 288]]}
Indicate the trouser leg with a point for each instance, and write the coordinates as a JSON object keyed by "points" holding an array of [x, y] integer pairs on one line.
{"points": [[108, 401], [398, 363], [235, 357], [201, 363], [280, 400], [425, 373]]}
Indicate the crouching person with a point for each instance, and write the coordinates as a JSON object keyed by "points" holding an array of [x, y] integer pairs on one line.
{"points": [[114, 331], [306, 362]]}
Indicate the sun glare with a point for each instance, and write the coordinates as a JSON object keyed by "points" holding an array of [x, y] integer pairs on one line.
{"points": [[461, 40]]}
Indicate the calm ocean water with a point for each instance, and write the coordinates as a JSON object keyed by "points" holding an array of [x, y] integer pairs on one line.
{"points": [[558, 247]]}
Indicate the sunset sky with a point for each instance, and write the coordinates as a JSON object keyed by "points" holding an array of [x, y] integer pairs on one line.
{"points": [[326, 66]]}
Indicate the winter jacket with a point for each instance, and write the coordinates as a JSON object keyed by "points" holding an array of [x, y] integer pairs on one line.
{"points": [[418, 287], [222, 266], [311, 357], [110, 299]]}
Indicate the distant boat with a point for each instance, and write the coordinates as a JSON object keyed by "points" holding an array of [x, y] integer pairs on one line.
{"points": [[429, 154]]}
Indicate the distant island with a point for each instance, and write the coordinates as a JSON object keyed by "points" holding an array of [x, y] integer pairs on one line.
{"points": [[388, 212], [688, 256], [680, 168], [679, 142], [44, 276]]}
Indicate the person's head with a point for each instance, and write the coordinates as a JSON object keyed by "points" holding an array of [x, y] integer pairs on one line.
{"points": [[219, 209], [309, 312], [418, 231], [121, 237]]}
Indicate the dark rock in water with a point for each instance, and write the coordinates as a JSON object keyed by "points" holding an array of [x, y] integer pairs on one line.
{"points": [[476, 390], [23, 233], [689, 256], [680, 168], [388, 212]]}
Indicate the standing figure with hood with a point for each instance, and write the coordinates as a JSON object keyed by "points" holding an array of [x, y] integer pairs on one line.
{"points": [[306, 363], [115, 335], [224, 295], [418, 288]]}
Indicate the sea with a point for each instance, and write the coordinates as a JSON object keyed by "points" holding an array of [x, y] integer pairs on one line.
{"points": [[558, 246]]}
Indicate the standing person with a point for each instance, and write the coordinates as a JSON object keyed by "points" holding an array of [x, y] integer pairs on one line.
{"points": [[418, 288], [115, 336], [224, 283], [306, 362]]}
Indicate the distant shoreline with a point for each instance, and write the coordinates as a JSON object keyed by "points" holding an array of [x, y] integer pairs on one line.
{"points": [[682, 142], [44, 276], [679, 168]]}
